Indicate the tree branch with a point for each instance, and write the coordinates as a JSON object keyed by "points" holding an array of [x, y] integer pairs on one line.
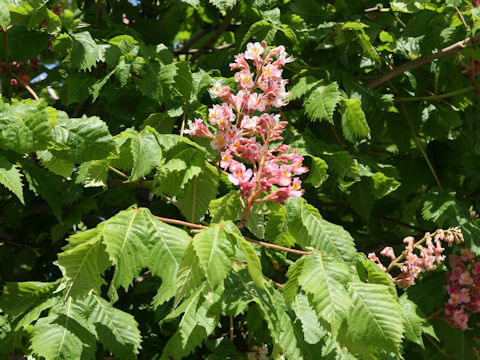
{"points": [[423, 60], [262, 243], [218, 33]]}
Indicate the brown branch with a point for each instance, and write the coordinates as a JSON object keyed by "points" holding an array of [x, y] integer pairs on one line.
{"points": [[415, 137], [125, 176], [262, 243], [208, 45], [423, 60], [98, 15], [438, 347]]}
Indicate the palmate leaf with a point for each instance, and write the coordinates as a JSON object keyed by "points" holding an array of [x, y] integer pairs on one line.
{"points": [[415, 321], [215, 251], [93, 173], [375, 317], [167, 245], [196, 197], [324, 279], [56, 165], [64, 334], [321, 103], [115, 329], [83, 265], [228, 207], [83, 139], [126, 238], [26, 126], [11, 178]]}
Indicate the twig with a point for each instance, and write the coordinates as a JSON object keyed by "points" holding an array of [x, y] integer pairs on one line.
{"points": [[185, 47], [231, 326], [185, 108], [335, 135], [198, 226], [438, 347], [415, 137], [125, 176], [435, 97], [423, 60], [434, 315], [98, 15], [218, 33]]}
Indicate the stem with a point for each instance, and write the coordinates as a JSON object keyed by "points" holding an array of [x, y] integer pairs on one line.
{"points": [[218, 33], [231, 326], [198, 226], [28, 87], [125, 176], [98, 15], [423, 60], [435, 97], [185, 108], [8, 86], [415, 137], [438, 347], [404, 253]]}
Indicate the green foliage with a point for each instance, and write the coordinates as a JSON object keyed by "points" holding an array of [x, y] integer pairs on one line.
{"points": [[121, 236]]}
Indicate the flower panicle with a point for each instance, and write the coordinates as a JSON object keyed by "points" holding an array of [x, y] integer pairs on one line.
{"points": [[418, 257], [245, 129]]}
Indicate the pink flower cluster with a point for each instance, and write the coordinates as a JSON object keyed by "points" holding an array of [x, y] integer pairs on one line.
{"points": [[245, 130], [463, 288], [425, 259]]}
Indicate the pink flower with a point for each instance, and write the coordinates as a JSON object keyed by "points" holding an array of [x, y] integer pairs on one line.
{"points": [[197, 128], [466, 255], [476, 268], [254, 50], [465, 279], [388, 251], [239, 174], [221, 115]]}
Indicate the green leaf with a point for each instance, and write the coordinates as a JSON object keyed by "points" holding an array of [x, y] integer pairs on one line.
{"points": [[302, 87], [310, 229], [321, 103], [201, 316], [215, 251], [228, 207], [196, 197], [26, 126], [11, 178], [126, 237], [24, 44], [64, 335], [362, 198], [254, 265], [439, 206], [58, 166], [93, 173], [146, 152], [258, 30], [85, 52], [354, 123], [375, 317], [342, 163], [312, 330], [83, 265], [184, 81], [325, 279], [4, 16], [414, 320], [117, 330], [190, 274], [167, 246], [318, 172], [383, 185], [84, 139], [222, 4]]}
